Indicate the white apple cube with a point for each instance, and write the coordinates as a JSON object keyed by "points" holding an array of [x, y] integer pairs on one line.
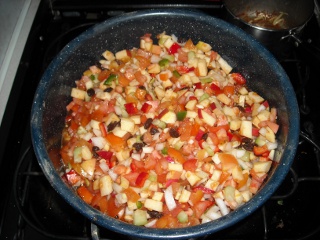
{"points": [[207, 118], [246, 129], [185, 196], [78, 93], [105, 185], [127, 124], [262, 166], [169, 117], [152, 204]]}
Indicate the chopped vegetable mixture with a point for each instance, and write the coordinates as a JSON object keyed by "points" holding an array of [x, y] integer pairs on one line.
{"points": [[165, 135]]}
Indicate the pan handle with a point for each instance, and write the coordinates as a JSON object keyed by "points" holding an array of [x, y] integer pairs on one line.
{"points": [[306, 46]]}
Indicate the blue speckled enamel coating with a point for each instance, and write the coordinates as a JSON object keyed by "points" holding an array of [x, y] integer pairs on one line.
{"points": [[263, 73]]}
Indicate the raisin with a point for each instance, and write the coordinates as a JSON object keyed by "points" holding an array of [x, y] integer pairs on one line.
{"points": [[153, 131], [148, 123], [142, 87], [205, 136], [112, 125], [138, 146], [247, 144], [174, 133], [90, 92], [155, 214], [109, 89]]}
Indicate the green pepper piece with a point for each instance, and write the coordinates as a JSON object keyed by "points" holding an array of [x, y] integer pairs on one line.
{"points": [[92, 77], [181, 115], [110, 79], [164, 63], [139, 204], [164, 151], [176, 74]]}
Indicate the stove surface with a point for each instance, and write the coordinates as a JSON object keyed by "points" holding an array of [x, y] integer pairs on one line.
{"points": [[32, 209]]}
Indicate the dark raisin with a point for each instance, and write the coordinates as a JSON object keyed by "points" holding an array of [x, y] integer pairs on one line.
{"points": [[241, 108], [142, 87], [174, 133], [138, 146], [95, 148], [153, 131], [184, 88], [155, 214], [109, 89], [112, 125], [90, 92], [148, 123], [205, 136], [247, 144]]}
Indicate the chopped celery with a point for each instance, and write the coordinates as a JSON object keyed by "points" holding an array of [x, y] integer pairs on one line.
{"points": [[260, 141], [77, 155], [246, 156], [206, 80], [140, 217], [183, 217], [203, 97], [164, 63], [191, 55]]}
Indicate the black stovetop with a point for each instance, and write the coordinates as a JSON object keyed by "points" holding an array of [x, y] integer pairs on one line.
{"points": [[31, 209]]}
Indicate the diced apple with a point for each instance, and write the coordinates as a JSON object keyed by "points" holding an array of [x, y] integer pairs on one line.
{"points": [[255, 97], [86, 153], [112, 117], [103, 95], [270, 136], [237, 173], [152, 204], [94, 124], [235, 124], [243, 91], [263, 115], [204, 47], [192, 178], [78, 93], [127, 124], [119, 132], [185, 196], [191, 114], [140, 217], [158, 196], [211, 184], [191, 104], [124, 183], [207, 118], [175, 167], [122, 155], [228, 111], [108, 55], [159, 92], [262, 166], [202, 68], [105, 185], [224, 98], [122, 55], [246, 129], [89, 166], [224, 65], [168, 42], [169, 117]]}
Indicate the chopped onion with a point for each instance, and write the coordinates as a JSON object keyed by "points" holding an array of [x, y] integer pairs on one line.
{"points": [[168, 196], [87, 136], [151, 223], [113, 175], [100, 142], [136, 156], [271, 145], [117, 110], [97, 132], [103, 165], [147, 149], [223, 207], [159, 146], [263, 131]]}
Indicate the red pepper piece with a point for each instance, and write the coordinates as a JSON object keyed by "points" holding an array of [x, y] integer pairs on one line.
{"points": [[260, 150], [199, 135], [198, 85], [174, 48], [72, 177], [215, 89], [146, 107], [203, 189], [238, 78], [142, 177], [107, 155], [255, 132], [131, 108]]}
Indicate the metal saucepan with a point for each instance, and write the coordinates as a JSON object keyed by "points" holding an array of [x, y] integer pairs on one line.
{"points": [[263, 73], [274, 21]]}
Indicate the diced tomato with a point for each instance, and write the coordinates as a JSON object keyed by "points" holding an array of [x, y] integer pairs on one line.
{"points": [[200, 207], [132, 177], [228, 161], [170, 181], [215, 129], [113, 208], [190, 165], [85, 194], [216, 89], [105, 154], [255, 132], [103, 75], [259, 150], [203, 189], [132, 195], [238, 78], [199, 135], [228, 90], [183, 69], [213, 106], [196, 196], [200, 113], [177, 155]]}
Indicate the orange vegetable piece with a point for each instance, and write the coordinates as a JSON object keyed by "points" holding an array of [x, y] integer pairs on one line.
{"points": [[228, 161], [85, 194], [131, 195], [196, 196], [243, 181], [123, 81], [175, 154], [116, 142]]}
